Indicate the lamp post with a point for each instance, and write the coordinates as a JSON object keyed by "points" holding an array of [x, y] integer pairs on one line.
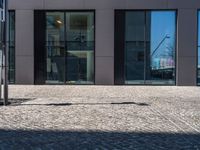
{"points": [[166, 37]]}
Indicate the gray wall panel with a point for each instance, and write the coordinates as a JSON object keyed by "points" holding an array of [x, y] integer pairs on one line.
{"points": [[24, 47], [184, 4], [187, 32], [186, 71], [187, 47], [146, 4], [64, 4], [24, 32], [105, 4], [26, 4], [105, 33], [104, 73], [24, 70], [104, 47]]}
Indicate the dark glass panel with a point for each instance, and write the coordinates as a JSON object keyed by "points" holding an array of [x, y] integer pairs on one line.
{"points": [[134, 47], [55, 47]]}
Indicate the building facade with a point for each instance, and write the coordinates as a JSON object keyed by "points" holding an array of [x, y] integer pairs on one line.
{"points": [[104, 42]]}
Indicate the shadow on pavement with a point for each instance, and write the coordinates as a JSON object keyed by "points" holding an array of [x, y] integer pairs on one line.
{"points": [[74, 104], [97, 140], [15, 101]]}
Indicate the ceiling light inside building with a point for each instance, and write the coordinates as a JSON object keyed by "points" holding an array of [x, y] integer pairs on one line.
{"points": [[59, 21]]}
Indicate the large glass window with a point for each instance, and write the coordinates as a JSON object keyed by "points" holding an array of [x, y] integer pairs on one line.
{"points": [[150, 47], [70, 47]]}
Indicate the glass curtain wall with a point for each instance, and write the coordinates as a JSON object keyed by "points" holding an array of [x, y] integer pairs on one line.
{"points": [[150, 47], [70, 47]]}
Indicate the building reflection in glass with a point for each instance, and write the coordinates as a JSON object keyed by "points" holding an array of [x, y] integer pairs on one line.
{"points": [[150, 47]]}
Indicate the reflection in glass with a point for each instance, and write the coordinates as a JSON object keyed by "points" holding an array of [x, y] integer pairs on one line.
{"points": [[162, 47], [198, 80], [70, 47], [150, 47]]}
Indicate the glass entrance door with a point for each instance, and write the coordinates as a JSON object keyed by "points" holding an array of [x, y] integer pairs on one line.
{"points": [[70, 47]]}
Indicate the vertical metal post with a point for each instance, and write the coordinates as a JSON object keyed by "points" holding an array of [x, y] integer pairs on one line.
{"points": [[5, 54]]}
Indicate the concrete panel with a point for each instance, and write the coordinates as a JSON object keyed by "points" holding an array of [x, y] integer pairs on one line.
{"points": [[186, 71], [183, 4], [105, 33], [24, 32], [105, 4], [11, 4], [187, 32], [24, 70], [104, 74], [64, 4], [146, 4], [187, 47], [24, 47], [25, 4]]}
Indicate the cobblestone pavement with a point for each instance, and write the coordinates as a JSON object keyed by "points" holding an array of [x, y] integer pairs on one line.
{"points": [[101, 118]]}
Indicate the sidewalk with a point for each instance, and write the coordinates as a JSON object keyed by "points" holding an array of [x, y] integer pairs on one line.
{"points": [[101, 117]]}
